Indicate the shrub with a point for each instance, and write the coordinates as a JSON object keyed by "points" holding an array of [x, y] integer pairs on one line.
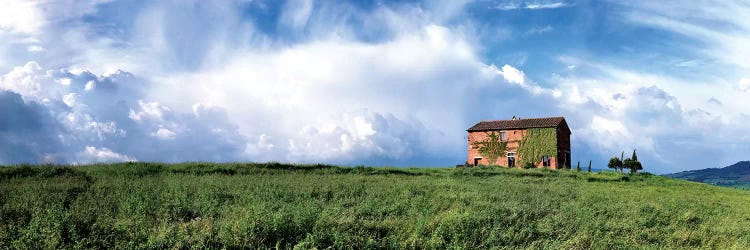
{"points": [[529, 165], [614, 163]]}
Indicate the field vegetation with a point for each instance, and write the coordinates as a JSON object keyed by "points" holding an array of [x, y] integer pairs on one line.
{"points": [[271, 205]]}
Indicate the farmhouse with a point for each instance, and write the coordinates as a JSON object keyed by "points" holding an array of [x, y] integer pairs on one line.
{"points": [[543, 142]]}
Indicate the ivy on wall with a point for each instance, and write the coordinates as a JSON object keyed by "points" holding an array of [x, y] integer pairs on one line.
{"points": [[538, 142], [491, 148]]}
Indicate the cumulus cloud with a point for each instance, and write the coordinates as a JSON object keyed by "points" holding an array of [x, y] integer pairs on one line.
{"points": [[164, 134], [100, 155], [394, 83], [626, 109], [57, 115], [27, 131], [333, 100], [20, 17], [513, 75]]}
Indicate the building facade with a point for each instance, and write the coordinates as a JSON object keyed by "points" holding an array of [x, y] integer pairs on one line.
{"points": [[544, 142]]}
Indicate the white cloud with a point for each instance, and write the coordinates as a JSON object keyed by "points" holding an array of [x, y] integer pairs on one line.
{"points": [[533, 6], [64, 81], [112, 121], [311, 95], [538, 30], [714, 101], [722, 35], [149, 110], [89, 128], [273, 93], [329, 98], [35, 48], [608, 134], [40, 30], [264, 143], [70, 99], [399, 84], [101, 155], [744, 84], [517, 77], [297, 13], [625, 109], [90, 85], [20, 16], [611, 127], [24, 79], [546, 6], [164, 134], [513, 75]]}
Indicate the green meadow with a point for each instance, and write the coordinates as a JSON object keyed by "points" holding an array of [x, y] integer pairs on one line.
{"points": [[240, 206]]}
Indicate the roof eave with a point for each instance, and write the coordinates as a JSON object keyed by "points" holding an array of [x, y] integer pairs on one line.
{"points": [[480, 130]]}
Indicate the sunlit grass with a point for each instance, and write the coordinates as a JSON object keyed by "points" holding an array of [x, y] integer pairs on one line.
{"points": [[238, 205]]}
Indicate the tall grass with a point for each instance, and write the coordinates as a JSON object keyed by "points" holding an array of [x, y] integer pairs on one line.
{"points": [[272, 205]]}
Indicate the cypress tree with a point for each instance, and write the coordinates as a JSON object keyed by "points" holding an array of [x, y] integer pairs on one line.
{"points": [[633, 164], [589, 170], [578, 167]]}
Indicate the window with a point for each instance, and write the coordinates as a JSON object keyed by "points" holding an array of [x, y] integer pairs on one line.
{"points": [[503, 137], [511, 159], [546, 161]]}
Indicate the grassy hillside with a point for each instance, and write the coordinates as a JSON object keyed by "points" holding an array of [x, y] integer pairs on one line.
{"points": [[139, 205]]}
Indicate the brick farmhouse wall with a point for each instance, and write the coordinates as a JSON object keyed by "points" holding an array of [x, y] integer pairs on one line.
{"points": [[514, 137]]}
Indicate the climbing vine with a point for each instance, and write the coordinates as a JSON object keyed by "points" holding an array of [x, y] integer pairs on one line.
{"points": [[538, 142], [491, 148]]}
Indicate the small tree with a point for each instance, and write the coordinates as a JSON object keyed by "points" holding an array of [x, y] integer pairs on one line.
{"points": [[622, 161], [589, 170], [633, 164], [627, 163], [614, 163], [578, 167]]}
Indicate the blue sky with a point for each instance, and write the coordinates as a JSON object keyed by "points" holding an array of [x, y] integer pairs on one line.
{"points": [[370, 82]]}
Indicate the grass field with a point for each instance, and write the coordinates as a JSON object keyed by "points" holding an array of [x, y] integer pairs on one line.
{"points": [[205, 205]]}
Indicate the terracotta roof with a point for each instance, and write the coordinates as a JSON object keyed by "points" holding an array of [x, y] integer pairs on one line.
{"points": [[547, 122]]}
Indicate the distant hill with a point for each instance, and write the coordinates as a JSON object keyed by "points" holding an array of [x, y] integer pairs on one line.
{"points": [[736, 175]]}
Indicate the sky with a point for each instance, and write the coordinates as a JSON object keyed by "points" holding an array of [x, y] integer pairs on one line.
{"points": [[381, 83]]}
